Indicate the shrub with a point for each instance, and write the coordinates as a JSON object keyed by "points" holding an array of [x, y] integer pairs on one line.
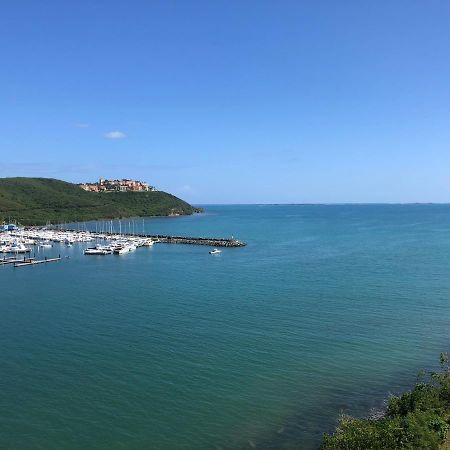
{"points": [[418, 419]]}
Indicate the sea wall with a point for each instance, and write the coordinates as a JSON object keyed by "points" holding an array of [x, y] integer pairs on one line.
{"points": [[213, 242]]}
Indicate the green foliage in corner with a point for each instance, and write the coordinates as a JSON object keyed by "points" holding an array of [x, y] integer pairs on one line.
{"points": [[415, 420]]}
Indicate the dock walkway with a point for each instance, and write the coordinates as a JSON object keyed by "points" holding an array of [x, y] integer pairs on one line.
{"points": [[32, 262], [14, 260]]}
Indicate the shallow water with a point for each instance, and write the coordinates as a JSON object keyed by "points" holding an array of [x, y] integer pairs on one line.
{"points": [[328, 309]]}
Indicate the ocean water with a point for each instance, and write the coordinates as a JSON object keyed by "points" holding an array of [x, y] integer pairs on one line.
{"points": [[328, 309]]}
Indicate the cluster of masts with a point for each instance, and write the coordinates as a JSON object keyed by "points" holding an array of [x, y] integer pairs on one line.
{"points": [[119, 246], [22, 241]]}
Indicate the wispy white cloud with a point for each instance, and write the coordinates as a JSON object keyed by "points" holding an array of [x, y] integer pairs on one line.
{"points": [[115, 135]]}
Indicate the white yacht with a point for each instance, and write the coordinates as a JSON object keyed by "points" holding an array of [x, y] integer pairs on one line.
{"points": [[125, 249], [97, 251], [215, 252], [17, 247]]}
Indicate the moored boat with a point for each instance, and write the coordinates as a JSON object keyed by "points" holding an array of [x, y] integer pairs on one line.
{"points": [[97, 250], [125, 249]]}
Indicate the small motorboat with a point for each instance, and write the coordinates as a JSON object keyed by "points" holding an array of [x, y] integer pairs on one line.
{"points": [[124, 249], [215, 252], [17, 248], [98, 250]]}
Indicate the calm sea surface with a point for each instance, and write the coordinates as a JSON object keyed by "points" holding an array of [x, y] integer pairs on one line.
{"points": [[328, 309]]}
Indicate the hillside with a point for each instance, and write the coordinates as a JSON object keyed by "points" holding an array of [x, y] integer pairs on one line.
{"points": [[37, 201]]}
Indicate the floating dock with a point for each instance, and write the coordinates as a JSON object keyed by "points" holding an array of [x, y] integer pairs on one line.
{"points": [[32, 262], [14, 260]]}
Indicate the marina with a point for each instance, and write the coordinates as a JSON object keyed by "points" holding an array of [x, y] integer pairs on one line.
{"points": [[34, 241]]}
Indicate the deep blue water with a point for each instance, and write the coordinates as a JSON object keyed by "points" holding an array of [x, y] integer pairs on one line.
{"points": [[328, 309]]}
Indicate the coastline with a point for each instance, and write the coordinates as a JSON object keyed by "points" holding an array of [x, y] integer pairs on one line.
{"points": [[417, 418]]}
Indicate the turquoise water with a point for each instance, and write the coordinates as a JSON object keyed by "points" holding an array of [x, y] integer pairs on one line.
{"points": [[328, 309]]}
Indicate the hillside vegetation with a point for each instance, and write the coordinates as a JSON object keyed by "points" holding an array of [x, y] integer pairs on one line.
{"points": [[419, 419], [37, 201]]}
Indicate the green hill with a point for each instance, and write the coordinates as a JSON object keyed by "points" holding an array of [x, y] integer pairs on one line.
{"points": [[36, 201]]}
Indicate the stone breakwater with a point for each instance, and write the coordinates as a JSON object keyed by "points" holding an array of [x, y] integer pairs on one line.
{"points": [[213, 242]]}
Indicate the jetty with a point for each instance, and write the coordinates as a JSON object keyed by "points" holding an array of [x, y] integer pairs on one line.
{"points": [[212, 242], [13, 260], [32, 261]]}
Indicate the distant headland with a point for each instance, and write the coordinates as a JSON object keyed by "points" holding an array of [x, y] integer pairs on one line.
{"points": [[38, 201]]}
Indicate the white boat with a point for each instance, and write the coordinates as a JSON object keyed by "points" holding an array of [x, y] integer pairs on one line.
{"points": [[128, 248], [215, 252], [17, 248], [96, 251], [45, 244], [125, 249]]}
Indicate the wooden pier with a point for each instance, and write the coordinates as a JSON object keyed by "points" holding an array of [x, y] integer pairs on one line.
{"points": [[32, 262], [14, 260]]}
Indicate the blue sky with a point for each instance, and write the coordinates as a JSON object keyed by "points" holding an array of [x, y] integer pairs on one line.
{"points": [[231, 101]]}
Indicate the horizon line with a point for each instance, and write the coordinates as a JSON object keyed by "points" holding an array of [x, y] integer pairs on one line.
{"points": [[322, 204]]}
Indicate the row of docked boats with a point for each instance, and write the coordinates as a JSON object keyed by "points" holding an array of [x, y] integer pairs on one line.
{"points": [[14, 247], [119, 247], [46, 237], [22, 240]]}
